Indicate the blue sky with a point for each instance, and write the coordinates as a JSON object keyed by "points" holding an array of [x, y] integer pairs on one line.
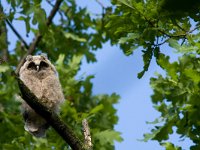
{"points": [[115, 72]]}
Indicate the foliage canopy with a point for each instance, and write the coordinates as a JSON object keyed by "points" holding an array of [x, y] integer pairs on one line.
{"points": [[147, 25]]}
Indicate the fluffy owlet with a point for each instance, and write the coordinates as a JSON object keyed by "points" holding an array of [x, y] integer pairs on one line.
{"points": [[40, 76]]}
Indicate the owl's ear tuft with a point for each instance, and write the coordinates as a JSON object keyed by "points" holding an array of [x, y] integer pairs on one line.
{"points": [[44, 55], [29, 58]]}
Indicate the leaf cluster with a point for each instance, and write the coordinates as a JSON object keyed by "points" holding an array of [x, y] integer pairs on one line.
{"points": [[151, 26], [147, 25], [176, 98]]}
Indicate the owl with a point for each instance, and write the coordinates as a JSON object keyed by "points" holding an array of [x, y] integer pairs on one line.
{"points": [[40, 76]]}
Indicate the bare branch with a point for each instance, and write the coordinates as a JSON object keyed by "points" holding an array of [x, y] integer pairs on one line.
{"points": [[52, 118], [87, 136], [53, 12], [38, 38], [17, 34], [60, 13], [159, 44], [197, 27]]}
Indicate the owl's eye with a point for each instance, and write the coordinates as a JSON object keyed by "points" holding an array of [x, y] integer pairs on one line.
{"points": [[32, 66], [43, 65]]}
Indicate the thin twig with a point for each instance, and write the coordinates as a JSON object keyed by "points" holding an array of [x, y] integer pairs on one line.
{"points": [[194, 29], [60, 13], [16, 33], [38, 38], [87, 136], [53, 12], [159, 44]]}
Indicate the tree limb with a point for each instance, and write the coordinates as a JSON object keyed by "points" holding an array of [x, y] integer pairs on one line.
{"points": [[60, 13], [38, 37], [52, 118]]}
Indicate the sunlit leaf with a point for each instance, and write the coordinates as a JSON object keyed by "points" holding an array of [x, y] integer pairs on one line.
{"points": [[74, 37], [111, 136]]}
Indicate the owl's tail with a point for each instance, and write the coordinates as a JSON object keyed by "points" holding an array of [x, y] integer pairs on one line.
{"points": [[34, 123]]}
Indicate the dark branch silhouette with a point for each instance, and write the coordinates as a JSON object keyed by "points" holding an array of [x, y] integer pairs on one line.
{"points": [[17, 34]]}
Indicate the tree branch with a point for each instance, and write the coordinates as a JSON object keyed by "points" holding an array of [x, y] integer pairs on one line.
{"points": [[38, 38], [17, 34], [87, 136], [60, 13], [52, 118]]}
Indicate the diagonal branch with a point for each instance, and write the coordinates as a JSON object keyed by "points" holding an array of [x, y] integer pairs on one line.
{"points": [[59, 11], [86, 131], [52, 118], [17, 34], [38, 37]]}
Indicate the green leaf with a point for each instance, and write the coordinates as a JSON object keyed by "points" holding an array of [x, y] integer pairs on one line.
{"points": [[74, 37], [60, 60], [129, 37], [193, 74], [126, 2], [110, 135], [96, 109], [4, 68], [40, 18], [76, 60], [171, 68], [170, 146], [147, 56], [174, 44]]}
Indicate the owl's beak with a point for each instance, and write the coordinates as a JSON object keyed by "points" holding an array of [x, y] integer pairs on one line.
{"points": [[37, 68]]}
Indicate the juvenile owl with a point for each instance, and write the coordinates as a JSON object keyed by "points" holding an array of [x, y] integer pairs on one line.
{"points": [[40, 76]]}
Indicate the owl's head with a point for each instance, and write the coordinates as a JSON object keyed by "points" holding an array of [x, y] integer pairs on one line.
{"points": [[38, 64]]}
